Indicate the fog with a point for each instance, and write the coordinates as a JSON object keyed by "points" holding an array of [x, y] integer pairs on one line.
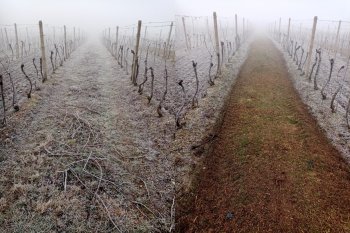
{"points": [[90, 15], [94, 15], [268, 10]]}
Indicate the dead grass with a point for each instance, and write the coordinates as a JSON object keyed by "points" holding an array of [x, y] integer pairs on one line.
{"points": [[85, 154]]}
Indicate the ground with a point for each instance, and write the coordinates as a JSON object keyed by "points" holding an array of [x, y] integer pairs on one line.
{"points": [[87, 153], [271, 169], [83, 154]]}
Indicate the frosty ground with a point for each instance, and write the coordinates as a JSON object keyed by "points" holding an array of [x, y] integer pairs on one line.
{"points": [[89, 153], [333, 123], [86, 153]]}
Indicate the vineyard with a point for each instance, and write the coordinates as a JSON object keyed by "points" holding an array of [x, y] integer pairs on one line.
{"points": [[318, 54], [28, 58], [192, 124]]}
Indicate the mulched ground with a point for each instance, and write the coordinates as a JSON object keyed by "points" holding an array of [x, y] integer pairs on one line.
{"points": [[271, 168]]}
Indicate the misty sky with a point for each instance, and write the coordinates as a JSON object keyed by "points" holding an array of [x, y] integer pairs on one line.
{"points": [[268, 10], [98, 14]]}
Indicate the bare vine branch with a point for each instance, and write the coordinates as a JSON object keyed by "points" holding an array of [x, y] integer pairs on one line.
{"points": [[210, 81], [318, 52], [333, 107], [29, 95], [152, 86], [178, 124], [195, 98], [324, 96], [144, 74], [159, 108], [51, 59], [3, 100], [313, 66]]}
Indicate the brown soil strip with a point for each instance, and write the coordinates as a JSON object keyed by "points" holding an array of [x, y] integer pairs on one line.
{"points": [[271, 169]]}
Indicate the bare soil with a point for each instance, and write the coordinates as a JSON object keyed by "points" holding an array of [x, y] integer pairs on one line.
{"points": [[271, 168]]}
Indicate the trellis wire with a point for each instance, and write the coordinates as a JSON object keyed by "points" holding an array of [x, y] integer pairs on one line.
{"points": [[21, 64], [329, 58]]}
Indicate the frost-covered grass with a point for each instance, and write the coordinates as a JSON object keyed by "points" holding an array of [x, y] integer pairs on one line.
{"points": [[333, 123]]}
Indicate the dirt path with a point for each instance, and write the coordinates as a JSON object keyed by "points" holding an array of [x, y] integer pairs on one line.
{"points": [[89, 107], [271, 168]]}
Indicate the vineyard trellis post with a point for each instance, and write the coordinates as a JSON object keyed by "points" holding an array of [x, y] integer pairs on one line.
{"points": [[65, 41], [7, 39], [135, 60], [27, 33], [17, 44], [116, 40], [308, 63], [109, 38], [243, 29], [184, 26], [236, 23], [43, 55], [288, 31], [169, 36], [74, 37], [145, 34], [2, 37], [336, 40], [160, 40], [217, 46], [279, 30]]}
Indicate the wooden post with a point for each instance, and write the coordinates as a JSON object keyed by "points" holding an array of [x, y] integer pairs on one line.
{"points": [[184, 26], [7, 39], [243, 31], [217, 45], [135, 61], [236, 23], [328, 39], [288, 31], [3, 38], [144, 37], [28, 38], [65, 41], [336, 40], [208, 30], [192, 27], [160, 40], [74, 37], [169, 36], [311, 46], [109, 38], [145, 34], [43, 52], [348, 44], [279, 30], [116, 40], [17, 44]]}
